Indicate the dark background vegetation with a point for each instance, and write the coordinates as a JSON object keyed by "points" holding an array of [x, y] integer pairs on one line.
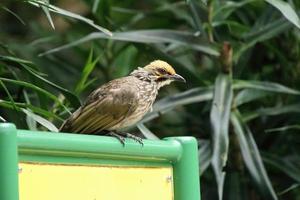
{"points": [[240, 59]]}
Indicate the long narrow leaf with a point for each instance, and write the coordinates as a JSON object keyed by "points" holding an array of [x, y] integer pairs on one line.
{"points": [[294, 108], [47, 13], [260, 34], [265, 86], [24, 64], [195, 14], [88, 68], [148, 36], [219, 117], [13, 13], [249, 95], [66, 13], [285, 165], [191, 96], [36, 88], [284, 128], [44, 122], [252, 158], [146, 132], [40, 111], [287, 11], [204, 153], [2, 119]]}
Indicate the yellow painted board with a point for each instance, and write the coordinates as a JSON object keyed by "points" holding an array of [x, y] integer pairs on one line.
{"points": [[76, 182]]}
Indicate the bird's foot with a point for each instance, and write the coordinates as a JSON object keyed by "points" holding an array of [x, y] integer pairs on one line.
{"points": [[135, 138], [121, 137], [118, 136]]}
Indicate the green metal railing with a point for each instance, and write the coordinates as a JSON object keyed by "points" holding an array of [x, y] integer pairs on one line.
{"points": [[36, 146]]}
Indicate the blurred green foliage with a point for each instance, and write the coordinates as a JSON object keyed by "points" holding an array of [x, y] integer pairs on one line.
{"points": [[241, 60]]}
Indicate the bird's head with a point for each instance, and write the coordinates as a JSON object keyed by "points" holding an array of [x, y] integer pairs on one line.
{"points": [[162, 73]]}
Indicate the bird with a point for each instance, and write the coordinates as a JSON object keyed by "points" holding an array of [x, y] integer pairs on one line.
{"points": [[122, 102]]}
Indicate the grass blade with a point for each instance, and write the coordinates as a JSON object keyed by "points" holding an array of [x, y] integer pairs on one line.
{"points": [[219, 117], [252, 158]]}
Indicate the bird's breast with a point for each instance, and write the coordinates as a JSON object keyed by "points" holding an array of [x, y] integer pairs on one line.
{"points": [[146, 94]]}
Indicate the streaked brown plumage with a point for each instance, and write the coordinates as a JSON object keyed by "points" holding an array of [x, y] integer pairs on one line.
{"points": [[122, 102]]}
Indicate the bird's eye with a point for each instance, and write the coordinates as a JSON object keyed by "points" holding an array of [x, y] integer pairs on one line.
{"points": [[162, 71]]}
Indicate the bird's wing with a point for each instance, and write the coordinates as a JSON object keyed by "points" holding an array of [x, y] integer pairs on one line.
{"points": [[104, 108]]}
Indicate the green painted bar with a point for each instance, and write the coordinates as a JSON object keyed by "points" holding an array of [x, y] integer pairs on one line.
{"points": [[76, 145], [186, 170], [8, 162]]}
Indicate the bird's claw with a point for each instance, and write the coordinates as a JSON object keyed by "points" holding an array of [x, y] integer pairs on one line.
{"points": [[135, 138], [121, 137]]}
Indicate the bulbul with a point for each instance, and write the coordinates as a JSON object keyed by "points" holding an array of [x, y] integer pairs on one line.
{"points": [[122, 102]]}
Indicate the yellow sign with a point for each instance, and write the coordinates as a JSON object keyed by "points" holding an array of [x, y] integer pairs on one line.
{"points": [[78, 182]]}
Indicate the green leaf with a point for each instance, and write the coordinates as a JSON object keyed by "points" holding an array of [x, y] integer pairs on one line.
{"points": [[11, 99], [219, 118], [234, 186], [264, 86], [148, 36], [44, 122], [168, 103], [248, 95], [261, 33], [36, 88], [24, 64], [284, 128], [88, 68], [283, 109], [195, 15], [227, 8], [287, 11], [251, 157], [31, 123], [18, 106], [2, 119], [292, 187], [72, 15], [204, 154], [286, 164], [95, 6], [146, 132], [13, 13], [47, 13]]}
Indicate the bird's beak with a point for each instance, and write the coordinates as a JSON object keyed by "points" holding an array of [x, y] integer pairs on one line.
{"points": [[177, 77]]}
